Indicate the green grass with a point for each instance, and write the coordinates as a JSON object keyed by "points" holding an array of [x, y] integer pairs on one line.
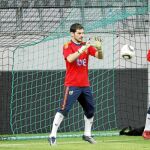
{"points": [[103, 143]]}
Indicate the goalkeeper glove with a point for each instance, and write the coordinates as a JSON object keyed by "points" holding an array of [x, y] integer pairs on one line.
{"points": [[84, 47], [97, 43]]}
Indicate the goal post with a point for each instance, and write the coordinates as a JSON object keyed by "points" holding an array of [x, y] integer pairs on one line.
{"points": [[38, 75]]}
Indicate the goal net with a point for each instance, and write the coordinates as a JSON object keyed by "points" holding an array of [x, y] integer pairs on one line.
{"points": [[32, 51]]}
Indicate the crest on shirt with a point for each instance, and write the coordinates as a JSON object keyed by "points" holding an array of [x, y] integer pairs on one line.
{"points": [[70, 92]]}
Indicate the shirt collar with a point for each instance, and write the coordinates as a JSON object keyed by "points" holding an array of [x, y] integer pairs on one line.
{"points": [[78, 44]]}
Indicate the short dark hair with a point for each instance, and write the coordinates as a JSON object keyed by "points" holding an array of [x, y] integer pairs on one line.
{"points": [[75, 26]]}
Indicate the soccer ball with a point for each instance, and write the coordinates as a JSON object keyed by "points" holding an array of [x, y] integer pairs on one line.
{"points": [[127, 51]]}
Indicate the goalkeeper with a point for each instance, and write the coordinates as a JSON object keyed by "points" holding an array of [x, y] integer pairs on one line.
{"points": [[77, 87]]}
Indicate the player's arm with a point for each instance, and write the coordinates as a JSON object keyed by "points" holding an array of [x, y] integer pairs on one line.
{"points": [[98, 45], [74, 56]]}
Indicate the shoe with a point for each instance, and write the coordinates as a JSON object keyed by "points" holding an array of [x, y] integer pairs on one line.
{"points": [[146, 135], [89, 139], [52, 141]]}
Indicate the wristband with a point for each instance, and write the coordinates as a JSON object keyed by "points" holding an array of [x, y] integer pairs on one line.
{"points": [[82, 49], [78, 52], [99, 49]]}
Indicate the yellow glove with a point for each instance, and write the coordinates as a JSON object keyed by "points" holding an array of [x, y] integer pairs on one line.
{"points": [[97, 43]]}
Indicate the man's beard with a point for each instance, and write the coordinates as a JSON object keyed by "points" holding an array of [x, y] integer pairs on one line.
{"points": [[79, 41]]}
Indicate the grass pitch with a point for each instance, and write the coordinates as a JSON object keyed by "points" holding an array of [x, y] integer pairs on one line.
{"points": [[103, 143]]}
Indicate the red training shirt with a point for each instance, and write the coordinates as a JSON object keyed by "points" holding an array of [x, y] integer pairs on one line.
{"points": [[77, 71]]}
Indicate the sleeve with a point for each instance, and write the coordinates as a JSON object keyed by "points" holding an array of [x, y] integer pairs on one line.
{"points": [[92, 50], [67, 50], [148, 55]]}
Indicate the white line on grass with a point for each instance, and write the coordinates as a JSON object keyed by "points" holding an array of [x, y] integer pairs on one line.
{"points": [[63, 143], [11, 145]]}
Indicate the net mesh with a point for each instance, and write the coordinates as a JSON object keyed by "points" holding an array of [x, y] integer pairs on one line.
{"points": [[32, 36]]}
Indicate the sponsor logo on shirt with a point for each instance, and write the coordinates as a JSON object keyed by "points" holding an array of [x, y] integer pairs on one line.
{"points": [[81, 62]]}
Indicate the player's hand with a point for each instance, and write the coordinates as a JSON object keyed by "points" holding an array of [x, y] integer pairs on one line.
{"points": [[84, 47], [97, 43]]}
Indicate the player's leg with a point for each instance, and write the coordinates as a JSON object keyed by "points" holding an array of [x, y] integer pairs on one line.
{"points": [[87, 103], [58, 118], [70, 96], [146, 133], [56, 123], [88, 114]]}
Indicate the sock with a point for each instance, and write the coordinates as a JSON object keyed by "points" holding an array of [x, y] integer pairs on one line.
{"points": [[88, 125], [147, 124], [56, 123]]}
